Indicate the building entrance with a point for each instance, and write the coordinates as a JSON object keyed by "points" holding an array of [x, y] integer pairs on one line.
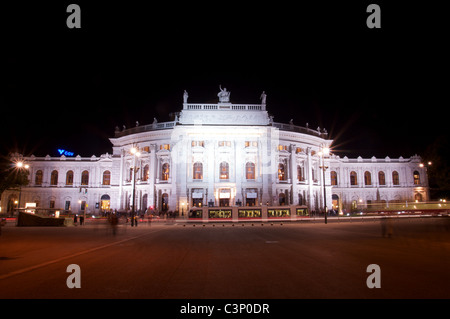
{"points": [[105, 201], [197, 202], [224, 202]]}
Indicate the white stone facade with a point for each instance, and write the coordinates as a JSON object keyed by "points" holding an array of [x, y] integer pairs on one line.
{"points": [[223, 154]]}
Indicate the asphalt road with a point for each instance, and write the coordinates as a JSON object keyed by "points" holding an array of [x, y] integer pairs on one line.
{"points": [[215, 261]]}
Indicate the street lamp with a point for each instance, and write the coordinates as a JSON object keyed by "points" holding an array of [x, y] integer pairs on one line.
{"points": [[20, 165], [135, 151], [325, 151]]}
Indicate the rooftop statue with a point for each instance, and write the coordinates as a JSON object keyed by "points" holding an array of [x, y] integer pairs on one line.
{"points": [[224, 95], [263, 97]]}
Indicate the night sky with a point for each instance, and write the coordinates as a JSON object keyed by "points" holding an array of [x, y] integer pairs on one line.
{"points": [[378, 92]]}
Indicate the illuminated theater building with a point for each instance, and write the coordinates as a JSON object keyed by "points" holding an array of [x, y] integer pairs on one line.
{"points": [[221, 154]]}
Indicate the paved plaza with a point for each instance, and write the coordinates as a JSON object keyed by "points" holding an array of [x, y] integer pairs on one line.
{"points": [[251, 260]]}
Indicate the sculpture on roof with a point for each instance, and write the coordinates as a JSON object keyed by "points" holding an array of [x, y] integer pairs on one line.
{"points": [[263, 97], [224, 95], [185, 96]]}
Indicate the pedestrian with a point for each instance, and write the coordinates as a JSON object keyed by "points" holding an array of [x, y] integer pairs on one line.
{"points": [[81, 220], [75, 219]]}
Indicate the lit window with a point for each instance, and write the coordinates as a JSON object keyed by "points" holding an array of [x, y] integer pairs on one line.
{"points": [[416, 178], [198, 170], [165, 172], [146, 173], [224, 143], [198, 143], [250, 170], [224, 171], [281, 172], [300, 173], [251, 143]]}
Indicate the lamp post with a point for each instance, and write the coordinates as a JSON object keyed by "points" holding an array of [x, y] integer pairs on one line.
{"points": [[136, 153], [20, 166], [324, 152]]}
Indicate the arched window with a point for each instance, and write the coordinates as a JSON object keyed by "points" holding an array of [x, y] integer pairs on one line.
{"points": [[334, 180], [165, 171], [38, 178], [54, 178], [106, 178], [85, 178], [416, 178], [353, 178], [224, 171], [197, 171], [69, 178], [250, 170], [381, 178], [395, 178], [418, 197], [367, 178], [145, 173], [281, 172]]}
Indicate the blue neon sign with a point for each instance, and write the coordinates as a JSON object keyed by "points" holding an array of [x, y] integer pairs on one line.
{"points": [[64, 152]]}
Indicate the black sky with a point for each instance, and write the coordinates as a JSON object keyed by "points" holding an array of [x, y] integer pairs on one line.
{"points": [[377, 92]]}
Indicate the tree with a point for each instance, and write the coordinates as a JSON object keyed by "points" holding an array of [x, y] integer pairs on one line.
{"points": [[12, 177], [438, 154]]}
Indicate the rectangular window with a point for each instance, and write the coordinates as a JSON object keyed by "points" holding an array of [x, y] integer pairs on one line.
{"points": [[198, 143], [164, 147], [222, 213], [278, 213]]}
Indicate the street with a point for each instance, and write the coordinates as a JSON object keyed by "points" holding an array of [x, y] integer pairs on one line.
{"points": [[228, 261]]}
